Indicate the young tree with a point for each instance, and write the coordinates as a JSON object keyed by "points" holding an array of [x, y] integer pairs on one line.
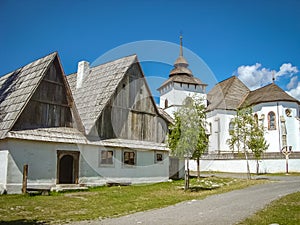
{"points": [[246, 133], [187, 138], [257, 142]]}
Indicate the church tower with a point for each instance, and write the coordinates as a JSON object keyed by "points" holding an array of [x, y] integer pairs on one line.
{"points": [[180, 85]]}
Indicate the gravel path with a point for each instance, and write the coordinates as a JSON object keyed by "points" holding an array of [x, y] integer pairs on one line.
{"points": [[227, 208]]}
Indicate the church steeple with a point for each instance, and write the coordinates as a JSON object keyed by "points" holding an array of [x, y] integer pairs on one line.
{"points": [[181, 65]]}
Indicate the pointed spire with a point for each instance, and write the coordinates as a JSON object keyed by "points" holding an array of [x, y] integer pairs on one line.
{"points": [[181, 52]]}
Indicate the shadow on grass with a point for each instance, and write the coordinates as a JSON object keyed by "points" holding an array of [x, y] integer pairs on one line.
{"points": [[22, 222], [198, 188]]}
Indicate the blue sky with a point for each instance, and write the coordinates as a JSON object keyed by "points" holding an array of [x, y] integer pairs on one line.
{"points": [[251, 39]]}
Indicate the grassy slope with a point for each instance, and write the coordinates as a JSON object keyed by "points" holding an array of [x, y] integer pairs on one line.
{"points": [[104, 202]]}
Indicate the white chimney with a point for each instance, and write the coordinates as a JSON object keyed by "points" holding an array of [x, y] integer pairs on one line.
{"points": [[82, 71]]}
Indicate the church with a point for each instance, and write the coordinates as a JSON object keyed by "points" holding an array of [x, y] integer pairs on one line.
{"points": [[272, 107]]}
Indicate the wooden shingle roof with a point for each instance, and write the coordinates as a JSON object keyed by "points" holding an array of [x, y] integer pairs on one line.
{"points": [[268, 93], [227, 94], [17, 87], [97, 88]]}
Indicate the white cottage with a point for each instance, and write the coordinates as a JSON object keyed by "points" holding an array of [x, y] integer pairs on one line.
{"points": [[97, 125]]}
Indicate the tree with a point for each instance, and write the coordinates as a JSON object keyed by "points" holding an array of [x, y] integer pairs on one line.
{"points": [[257, 143], [246, 133], [187, 138]]}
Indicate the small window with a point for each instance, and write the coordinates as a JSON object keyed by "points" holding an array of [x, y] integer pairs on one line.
{"points": [[271, 121], [129, 158], [180, 84], [158, 157], [256, 118], [106, 157], [166, 103], [231, 127], [288, 112]]}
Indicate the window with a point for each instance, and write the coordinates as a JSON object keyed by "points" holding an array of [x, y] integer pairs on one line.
{"points": [[231, 127], [129, 158], [271, 121], [159, 157], [166, 103], [256, 118], [106, 157]]}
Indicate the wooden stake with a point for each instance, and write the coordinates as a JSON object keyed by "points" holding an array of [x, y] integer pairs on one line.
{"points": [[25, 175]]}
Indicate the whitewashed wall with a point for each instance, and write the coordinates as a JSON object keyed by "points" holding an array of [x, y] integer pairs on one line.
{"points": [[240, 166], [41, 158], [176, 94], [3, 170], [219, 134], [146, 170]]}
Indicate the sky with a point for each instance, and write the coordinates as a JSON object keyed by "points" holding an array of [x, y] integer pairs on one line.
{"points": [[254, 40]]}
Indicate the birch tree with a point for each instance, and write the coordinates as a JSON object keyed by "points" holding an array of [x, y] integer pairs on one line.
{"points": [[187, 138]]}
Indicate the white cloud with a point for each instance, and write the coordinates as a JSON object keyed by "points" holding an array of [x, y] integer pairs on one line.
{"points": [[287, 69], [295, 92], [256, 76], [293, 83]]}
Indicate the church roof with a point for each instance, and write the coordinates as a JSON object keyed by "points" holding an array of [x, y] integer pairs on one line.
{"points": [[98, 88], [16, 89], [227, 94], [268, 93]]}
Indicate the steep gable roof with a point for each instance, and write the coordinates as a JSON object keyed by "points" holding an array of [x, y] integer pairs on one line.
{"points": [[227, 94], [17, 87], [97, 88], [268, 93]]}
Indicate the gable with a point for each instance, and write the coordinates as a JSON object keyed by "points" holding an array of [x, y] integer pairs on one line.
{"points": [[131, 112], [48, 106], [16, 88]]}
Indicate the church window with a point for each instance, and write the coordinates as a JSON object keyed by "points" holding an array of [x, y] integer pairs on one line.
{"points": [[166, 103], [231, 127], [256, 118], [271, 121]]}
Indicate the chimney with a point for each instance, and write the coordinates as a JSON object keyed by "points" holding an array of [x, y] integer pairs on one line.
{"points": [[82, 71]]}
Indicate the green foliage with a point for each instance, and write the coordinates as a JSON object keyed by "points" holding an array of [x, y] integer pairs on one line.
{"points": [[187, 136], [246, 132]]}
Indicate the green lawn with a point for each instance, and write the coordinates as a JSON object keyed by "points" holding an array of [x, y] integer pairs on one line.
{"points": [[285, 210], [105, 202]]}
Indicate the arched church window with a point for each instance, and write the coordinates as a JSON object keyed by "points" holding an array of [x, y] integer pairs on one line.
{"points": [[231, 127], [166, 103], [256, 118], [271, 121]]}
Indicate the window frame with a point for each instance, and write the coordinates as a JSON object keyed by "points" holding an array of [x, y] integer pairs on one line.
{"points": [[103, 164], [161, 161], [271, 125], [134, 158]]}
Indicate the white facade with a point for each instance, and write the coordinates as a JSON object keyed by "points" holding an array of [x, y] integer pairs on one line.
{"points": [[173, 95], [43, 164]]}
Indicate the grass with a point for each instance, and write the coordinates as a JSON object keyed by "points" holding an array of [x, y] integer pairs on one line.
{"points": [[103, 202], [282, 211]]}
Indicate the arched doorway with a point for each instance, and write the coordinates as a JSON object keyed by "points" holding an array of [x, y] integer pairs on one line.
{"points": [[67, 167]]}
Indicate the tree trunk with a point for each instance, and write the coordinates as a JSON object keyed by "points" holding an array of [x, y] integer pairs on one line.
{"points": [[187, 176], [198, 168], [257, 167], [248, 168]]}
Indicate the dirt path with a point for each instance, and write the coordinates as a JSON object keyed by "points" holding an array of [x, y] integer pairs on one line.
{"points": [[227, 208]]}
